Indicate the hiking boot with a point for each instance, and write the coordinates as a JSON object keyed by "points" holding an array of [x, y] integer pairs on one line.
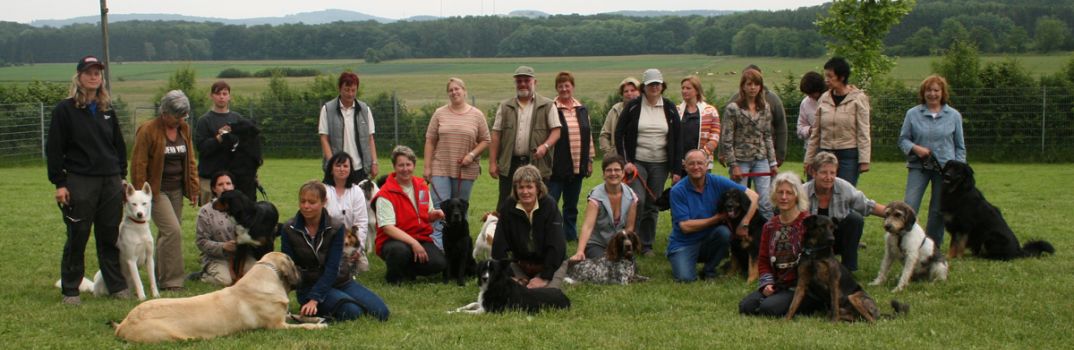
{"points": [[72, 300], [123, 294]]}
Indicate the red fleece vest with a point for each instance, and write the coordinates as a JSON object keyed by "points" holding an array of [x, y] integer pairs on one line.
{"points": [[416, 224]]}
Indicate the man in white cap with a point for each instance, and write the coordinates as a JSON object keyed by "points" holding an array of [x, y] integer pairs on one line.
{"points": [[524, 132]]}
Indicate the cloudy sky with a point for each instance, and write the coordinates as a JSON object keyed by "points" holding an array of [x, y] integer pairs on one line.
{"points": [[27, 11]]}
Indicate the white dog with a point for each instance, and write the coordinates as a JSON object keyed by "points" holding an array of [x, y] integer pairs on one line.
{"points": [[483, 244], [369, 189], [135, 243], [905, 239]]}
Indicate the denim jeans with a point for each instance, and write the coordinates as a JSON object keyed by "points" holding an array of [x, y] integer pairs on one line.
{"points": [[655, 175], [449, 187], [761, 184], [348, 302], [916, 181], [849, 169], [710, 250], [569, 190]]}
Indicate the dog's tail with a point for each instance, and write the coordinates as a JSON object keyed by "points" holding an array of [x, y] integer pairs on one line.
{"points": [[1037, 248], [112, 323], [901, 309]]}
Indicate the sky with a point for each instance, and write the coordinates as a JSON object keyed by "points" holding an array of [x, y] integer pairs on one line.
{"points": [[27, 11]]}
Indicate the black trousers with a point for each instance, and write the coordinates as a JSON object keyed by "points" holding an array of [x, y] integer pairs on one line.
{"points": [[96, 202], [399, 260], [507, 182]]}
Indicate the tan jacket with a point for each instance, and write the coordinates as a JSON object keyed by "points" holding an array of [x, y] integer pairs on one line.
{"points": [[842, 127], [147, 158]]}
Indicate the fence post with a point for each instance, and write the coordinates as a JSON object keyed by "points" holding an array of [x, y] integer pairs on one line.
{"points": [[41, 116], [1043, 115], [395, 116]]}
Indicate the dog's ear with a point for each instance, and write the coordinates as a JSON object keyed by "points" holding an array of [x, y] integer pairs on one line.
{"points": [[614, 247], [911, 217], [129, 190], [147, 189]]}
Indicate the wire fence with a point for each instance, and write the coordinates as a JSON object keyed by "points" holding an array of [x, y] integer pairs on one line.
{"points": [[1011, 125]]}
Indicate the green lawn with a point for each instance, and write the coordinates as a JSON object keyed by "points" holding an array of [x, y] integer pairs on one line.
{"points": [[1022, 304]]}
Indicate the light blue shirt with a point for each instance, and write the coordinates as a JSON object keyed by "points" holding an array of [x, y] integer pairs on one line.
{"points": [[941, 134]]}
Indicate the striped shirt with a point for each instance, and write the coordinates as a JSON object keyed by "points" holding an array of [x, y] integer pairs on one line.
{"points": [[570, 115], [453, 136]]}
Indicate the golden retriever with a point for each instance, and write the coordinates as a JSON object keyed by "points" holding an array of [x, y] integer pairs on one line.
{"points": [[258, 300]]}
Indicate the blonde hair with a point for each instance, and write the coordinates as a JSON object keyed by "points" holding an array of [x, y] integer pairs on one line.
{"points": [[695, 82], [315, 187], [104, 99], [792, 179], [528, 173], [456, 81]]}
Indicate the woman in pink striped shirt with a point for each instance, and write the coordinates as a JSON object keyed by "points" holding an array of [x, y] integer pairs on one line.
{"points": [[572, 157]]}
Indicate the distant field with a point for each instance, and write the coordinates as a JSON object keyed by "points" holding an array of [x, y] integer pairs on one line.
{"points": [[421, 81]]}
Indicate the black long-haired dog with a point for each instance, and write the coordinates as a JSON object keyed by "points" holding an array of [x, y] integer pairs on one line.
{"points": [[256, 225], [503, 293], [975, 223], [458, 245], [744, 250]]}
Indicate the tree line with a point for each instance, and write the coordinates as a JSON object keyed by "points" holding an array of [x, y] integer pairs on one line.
{"points": [[1029, 25]]}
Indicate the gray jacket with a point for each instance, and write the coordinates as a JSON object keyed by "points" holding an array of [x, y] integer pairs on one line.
{"points": [[334, 118], [844, 199]]}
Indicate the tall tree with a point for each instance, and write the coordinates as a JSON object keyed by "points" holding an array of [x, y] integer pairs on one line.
{"points": [[858, 28], [1051, 34]]}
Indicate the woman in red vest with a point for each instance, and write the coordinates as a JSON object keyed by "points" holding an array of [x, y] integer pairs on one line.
{"points": [[404, 217]]}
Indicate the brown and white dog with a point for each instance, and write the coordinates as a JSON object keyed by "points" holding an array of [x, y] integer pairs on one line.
{"points": [[617, 266], [354, 256], [906, 240], [483, 244], [258, 300]]}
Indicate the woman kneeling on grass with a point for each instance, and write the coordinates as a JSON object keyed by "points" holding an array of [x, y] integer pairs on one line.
{"points": [[317, 249], [404, 215], [781, 243]]}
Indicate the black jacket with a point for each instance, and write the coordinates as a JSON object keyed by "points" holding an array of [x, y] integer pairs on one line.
{"points": [[542, 242], [318, 261], [83, 143], [626, 132], [562, 168]]}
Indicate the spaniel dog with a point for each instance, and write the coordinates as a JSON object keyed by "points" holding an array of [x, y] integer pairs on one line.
{"points": [[617, 266]]}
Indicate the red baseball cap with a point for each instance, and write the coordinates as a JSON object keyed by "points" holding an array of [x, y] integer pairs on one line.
{"points": [[89, 61]]}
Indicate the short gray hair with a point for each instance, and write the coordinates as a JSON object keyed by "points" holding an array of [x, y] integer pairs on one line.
{"points": [[404, 151], [823, 158], [790, 178], [528, 173], [174, 103]]}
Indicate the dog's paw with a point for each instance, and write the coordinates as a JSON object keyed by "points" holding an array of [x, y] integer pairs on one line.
{"points": [[876, 282], [898, 289]]}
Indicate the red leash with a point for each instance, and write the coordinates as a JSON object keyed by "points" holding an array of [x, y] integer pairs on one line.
{"points": [[629, 178], [771, 173]]}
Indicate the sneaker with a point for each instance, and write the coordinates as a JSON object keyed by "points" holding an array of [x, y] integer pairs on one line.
{"points": [[72, 300], [123, 294]]}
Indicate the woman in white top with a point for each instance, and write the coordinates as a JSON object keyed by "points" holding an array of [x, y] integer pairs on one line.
{"points": [[346, 203]]}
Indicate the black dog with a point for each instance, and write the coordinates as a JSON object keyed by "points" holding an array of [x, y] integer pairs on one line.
{"points": [[256, 227], [458, 245], [820, 274], [744, 250], [244, 144], [502, 293], [976, 223]]}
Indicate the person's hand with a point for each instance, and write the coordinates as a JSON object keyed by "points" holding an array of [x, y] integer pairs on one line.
{"points": [[540, 151], [420, 256], [768, 290], [229, 246], [863, 167], [630, 170], [373, 170], [494, 170], [466, 159], [62, 196], [742, 231], [589, 170], [579, 256], [427, 174], [537, 282], [921, 151], [356, 257], [194, 201], [436, 214], [220, 132], [310, 308], [675, 178], [736, 173], [775, 170]]}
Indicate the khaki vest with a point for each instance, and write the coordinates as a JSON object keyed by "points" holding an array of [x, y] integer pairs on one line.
{"points": [[539, 130]]}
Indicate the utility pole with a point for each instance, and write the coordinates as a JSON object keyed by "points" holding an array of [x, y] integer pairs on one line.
{"points": [[104, 42]]}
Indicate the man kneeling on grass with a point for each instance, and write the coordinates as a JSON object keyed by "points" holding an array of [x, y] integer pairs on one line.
{"points": [[698, 232]]}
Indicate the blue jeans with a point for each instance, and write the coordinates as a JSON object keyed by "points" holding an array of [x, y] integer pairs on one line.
{"points": [[655, 175], [761, 184], [710, 250], [916, 181], [849, 169], [569, 190], [449, 187], [348, 302]]}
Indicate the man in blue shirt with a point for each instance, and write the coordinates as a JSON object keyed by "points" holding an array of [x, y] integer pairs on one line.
{"points": [[698, 232]]}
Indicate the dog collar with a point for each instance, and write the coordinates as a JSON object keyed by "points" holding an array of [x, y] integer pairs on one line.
{"points": [[136, 220]]}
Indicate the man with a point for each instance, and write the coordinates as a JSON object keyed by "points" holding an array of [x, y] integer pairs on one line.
{"points": [[524, 131], [629, 89], [698, 233], [779, 118], [346, 124], [217, 149]]}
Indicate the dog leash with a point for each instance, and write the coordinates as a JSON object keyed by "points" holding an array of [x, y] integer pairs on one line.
{"points": [[758, 174], [629, 179], [458, 187], [262, 190]]}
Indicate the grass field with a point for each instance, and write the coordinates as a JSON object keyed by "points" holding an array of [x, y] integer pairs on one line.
{"points": [[421, 81], [1023, 304]]}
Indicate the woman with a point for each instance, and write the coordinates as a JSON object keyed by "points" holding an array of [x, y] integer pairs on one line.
{"points": [[456, 137], [628, 91], [836, 198], [612, 208], [931, 129], [163, 156], [842, 125], [87, 160], [812, 86], [781, 244], [574, 151], [346, 202], [215, 237], [647, 137], [316, 247], [404, 216], [530, 230], [746, 144], [700, 121]]}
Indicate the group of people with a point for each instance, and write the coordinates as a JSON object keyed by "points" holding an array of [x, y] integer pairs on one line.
{"points": [[540, 151]]}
